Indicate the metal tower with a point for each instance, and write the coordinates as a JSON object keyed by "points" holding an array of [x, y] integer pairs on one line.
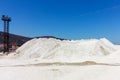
{"points": [[6, 21]]}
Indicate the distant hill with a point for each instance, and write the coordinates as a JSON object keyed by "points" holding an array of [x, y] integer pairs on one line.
{"points": [[50, 37], [14, 38], [21, 39]]}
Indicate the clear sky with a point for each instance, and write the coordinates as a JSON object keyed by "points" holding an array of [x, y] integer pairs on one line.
{"points": [[70, 19]]}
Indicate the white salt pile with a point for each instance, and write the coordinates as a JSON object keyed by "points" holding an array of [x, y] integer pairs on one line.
{"points": [[57, 50], [37, 51]]}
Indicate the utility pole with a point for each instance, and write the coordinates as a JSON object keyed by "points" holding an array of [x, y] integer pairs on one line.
{"points": [[6, 21]]}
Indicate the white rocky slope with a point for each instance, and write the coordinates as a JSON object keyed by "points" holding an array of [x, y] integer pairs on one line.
{"points": [[59, 51]]}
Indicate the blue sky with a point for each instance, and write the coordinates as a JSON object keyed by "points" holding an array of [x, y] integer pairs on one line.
{"points": [[70, 19]]}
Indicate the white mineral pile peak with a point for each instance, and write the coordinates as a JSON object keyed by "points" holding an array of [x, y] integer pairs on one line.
{"points": [[65, 50]]}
